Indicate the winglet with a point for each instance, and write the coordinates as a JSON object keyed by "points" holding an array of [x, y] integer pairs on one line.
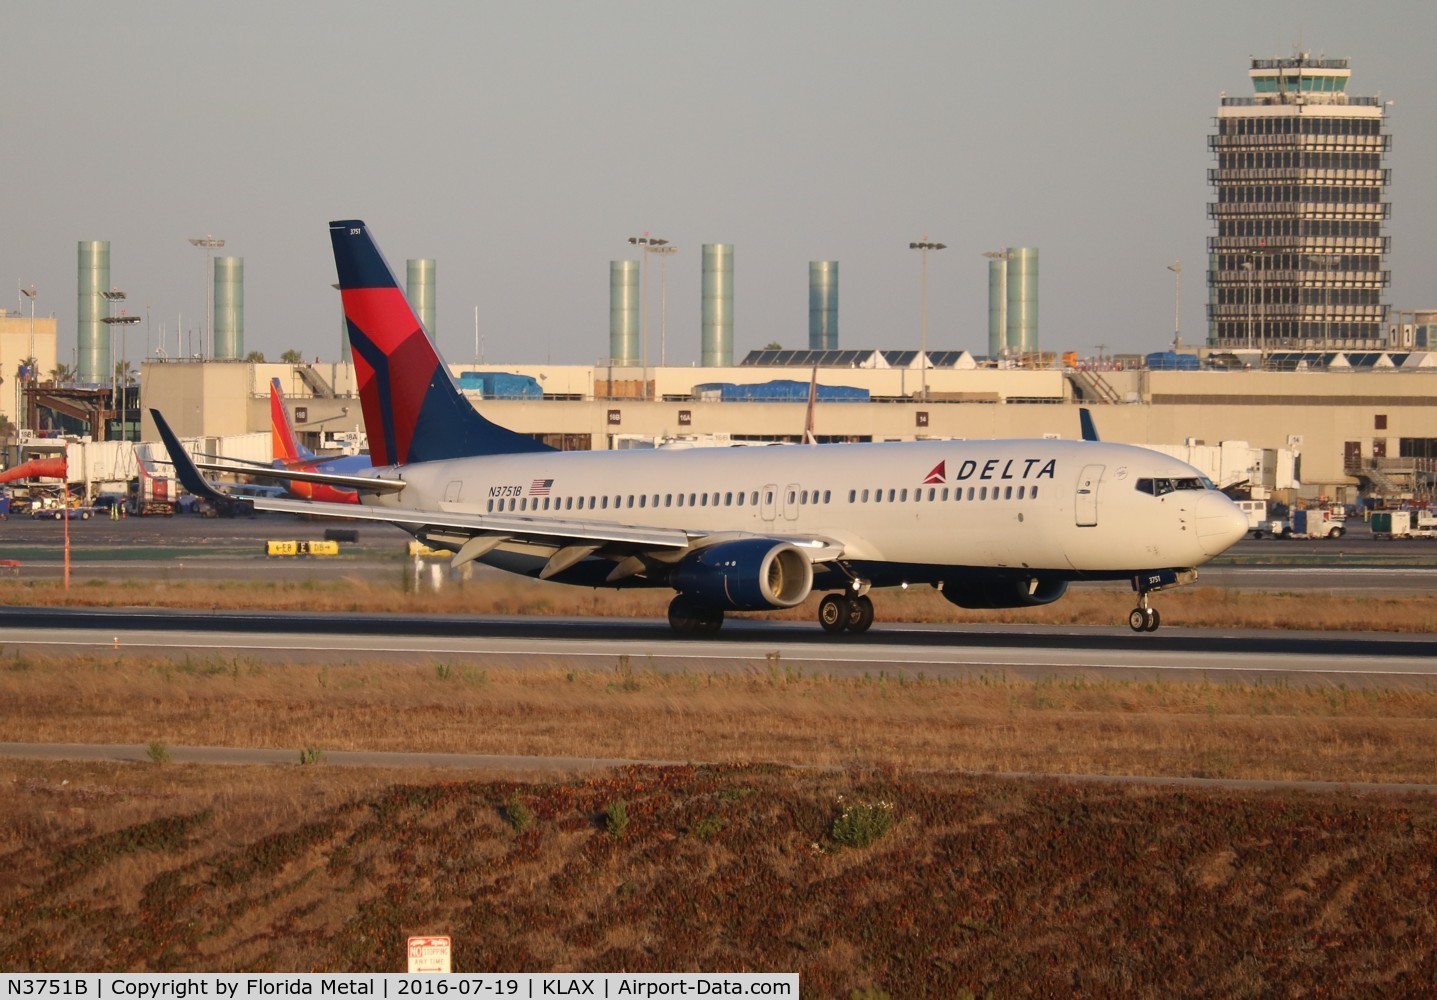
{"points": [[185, 470], [1085, 419]]}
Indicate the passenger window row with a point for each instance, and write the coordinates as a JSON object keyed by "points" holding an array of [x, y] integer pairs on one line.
{"points": [[934, 494], [644, 501], [741, 498]]}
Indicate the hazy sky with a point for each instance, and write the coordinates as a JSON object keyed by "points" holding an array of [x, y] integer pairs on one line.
{"points": [[520, 143]]}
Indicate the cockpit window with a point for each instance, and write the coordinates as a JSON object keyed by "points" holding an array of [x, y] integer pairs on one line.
{"points": [[1162, 487]]}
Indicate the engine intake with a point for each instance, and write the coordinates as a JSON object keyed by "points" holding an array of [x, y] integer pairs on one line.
{"points": [[750, 574], [1004, 592]]}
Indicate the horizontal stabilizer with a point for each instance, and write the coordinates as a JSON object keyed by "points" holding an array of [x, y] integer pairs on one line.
{"points": [[362, 484]]}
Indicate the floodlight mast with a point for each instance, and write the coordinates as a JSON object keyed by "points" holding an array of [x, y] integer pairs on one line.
{"points": [[22, 414], [210, 245], [923, 248], [648, 244]]}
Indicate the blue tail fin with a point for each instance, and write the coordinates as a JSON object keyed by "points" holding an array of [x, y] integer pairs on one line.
{"points": [[413, 411]]}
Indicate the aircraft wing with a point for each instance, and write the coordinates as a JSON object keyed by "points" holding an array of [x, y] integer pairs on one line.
{"points": [[512, 527], [632, 546]]}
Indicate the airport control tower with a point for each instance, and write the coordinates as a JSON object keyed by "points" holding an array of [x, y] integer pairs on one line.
{"points": [[1299, 188]]}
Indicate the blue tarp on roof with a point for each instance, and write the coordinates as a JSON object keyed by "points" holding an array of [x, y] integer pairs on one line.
{"points": [[502, 385], [1171, 361], [781, 390]]}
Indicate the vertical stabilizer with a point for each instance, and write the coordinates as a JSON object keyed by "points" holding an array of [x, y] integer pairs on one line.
{"points": [[285, 443], [413, 411]]}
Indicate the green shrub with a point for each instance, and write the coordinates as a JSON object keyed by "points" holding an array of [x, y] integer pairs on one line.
{"points": [[859, 825], [517, 813], [311, 755], [158, 751], [617, 819]]}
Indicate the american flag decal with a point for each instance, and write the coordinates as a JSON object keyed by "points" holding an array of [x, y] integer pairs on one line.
{"points": [[540, 487]]}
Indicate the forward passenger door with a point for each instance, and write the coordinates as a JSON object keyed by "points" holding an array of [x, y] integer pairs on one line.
{"points": [[1086, 505]]}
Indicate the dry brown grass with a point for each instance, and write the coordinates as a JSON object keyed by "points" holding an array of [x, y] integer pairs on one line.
{"points": [[985, 886], [768, 713], [492, 594]]}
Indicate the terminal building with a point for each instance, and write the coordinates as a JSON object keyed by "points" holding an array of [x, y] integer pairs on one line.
{"points": [[1358, 432]]}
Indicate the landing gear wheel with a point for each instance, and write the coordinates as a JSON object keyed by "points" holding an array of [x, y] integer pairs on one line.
{"points": [[1138, 620], [689, 618], [683, 615], [833, 613], [1154, 620], [860, 614], [710, 621]]}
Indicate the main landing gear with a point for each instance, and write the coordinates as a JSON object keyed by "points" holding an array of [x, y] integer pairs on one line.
{"points": [[689, 618], [841, 613]]}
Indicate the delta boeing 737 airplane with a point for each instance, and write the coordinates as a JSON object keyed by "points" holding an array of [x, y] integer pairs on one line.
{"points": [[991, 524]]}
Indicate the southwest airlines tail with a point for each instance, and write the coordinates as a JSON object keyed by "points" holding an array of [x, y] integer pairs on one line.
{"points": [[286, 446], [413, 411]]}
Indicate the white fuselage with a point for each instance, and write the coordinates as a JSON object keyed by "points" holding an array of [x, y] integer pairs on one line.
{"points": [[1066, 506]]}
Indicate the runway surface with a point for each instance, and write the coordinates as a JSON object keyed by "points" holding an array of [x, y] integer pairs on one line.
{"points": [[189, 547], [1023, 652]]}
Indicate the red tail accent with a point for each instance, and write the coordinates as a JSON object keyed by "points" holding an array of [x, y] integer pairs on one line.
{"points": [[384, 314]]}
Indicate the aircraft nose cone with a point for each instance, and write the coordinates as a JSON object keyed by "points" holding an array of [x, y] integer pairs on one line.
{"points": [[1220, 523]]}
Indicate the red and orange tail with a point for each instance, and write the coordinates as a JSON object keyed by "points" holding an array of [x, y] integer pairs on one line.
{"points": [[285, 442]]}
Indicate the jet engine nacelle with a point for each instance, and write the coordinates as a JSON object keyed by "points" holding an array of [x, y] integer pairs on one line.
{"points": [[1004, 592], [750, 574]]}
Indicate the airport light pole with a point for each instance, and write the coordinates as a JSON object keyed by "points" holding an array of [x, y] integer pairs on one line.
{"points": [[124, 322], [111, 297], [210, 245], [648, 244], [21, 416], [923, 249], [1177, 268], [663, 253]]}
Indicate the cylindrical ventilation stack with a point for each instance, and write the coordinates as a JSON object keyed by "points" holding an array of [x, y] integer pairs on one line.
{"points": [[718, 305], [624, 312], [419, 286], [823, 305], [229, 308], [1022, 300], [997, 304], [93, 336]]}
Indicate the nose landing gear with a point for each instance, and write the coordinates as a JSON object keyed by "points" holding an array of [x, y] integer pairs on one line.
{"points": [[1144, 618]]}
